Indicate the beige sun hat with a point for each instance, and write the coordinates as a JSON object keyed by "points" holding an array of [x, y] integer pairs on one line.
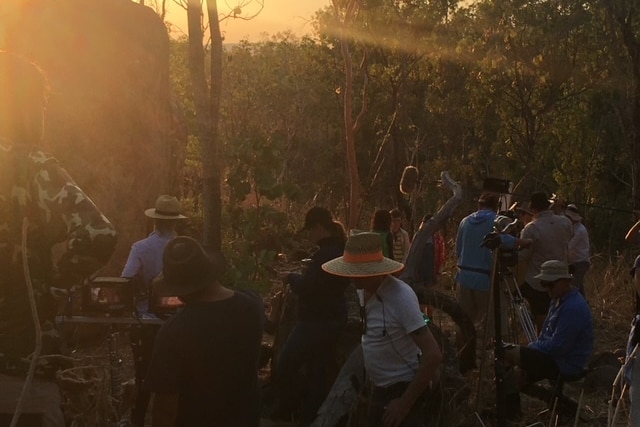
{"points": [[553, 270], [167, 207], [362, 258]]}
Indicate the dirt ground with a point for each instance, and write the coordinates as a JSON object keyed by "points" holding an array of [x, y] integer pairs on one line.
{"points": [[608, 292]]}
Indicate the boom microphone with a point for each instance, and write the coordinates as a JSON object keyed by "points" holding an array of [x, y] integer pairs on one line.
{"points": [[409, 179]]}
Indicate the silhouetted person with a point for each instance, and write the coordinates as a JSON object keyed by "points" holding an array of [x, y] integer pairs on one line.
{"points": [[322, 317], [204, 369], [40, 206]]}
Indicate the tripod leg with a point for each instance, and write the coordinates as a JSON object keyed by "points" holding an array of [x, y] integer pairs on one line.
{"points": [[518, 305]]}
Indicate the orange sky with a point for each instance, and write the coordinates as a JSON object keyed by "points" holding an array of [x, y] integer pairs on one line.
{"points": [[277, 16]]}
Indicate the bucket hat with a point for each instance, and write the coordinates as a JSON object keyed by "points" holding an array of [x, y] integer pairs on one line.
{"points": [[362, 258], [167, 207], [552, 270], [186, 268]]}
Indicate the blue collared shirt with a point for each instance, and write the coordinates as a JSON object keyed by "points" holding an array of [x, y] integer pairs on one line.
{"points": [[145, 260], [567, 333]]}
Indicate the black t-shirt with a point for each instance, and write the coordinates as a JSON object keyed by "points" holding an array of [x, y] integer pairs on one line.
{"points": [[321, 295], [208, 354]]}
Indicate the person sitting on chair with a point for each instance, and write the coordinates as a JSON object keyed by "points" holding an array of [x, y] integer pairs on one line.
{"points": [[565, 343]]}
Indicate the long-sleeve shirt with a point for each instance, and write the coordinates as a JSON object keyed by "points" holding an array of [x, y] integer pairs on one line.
{"points": [[145, 257], [145, 262], [35, 187], [474, 260], [567, 333], [321, 295]]}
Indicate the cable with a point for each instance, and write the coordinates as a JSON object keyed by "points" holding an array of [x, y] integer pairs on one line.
{"points": [[36, 321], [384, 333]]}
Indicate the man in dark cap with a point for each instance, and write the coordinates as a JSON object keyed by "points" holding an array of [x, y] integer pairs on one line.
{"points": [[550, 235], [204, 369], [41, 206], [322, 316]]}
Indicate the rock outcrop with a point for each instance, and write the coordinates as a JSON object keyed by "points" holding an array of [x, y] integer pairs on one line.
{"points": [[111, 120]]}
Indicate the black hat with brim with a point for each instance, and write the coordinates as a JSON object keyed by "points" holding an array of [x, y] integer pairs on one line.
{"points": [[186, 269]]}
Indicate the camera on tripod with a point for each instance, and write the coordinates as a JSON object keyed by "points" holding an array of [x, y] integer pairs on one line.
{"points": [[503, 241]]}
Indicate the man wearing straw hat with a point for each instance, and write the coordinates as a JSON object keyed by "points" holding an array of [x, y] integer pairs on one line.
{"points": [[145, 263], [401, 355]]}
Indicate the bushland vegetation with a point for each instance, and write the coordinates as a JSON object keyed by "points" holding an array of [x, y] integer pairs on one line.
{"points": [[544, 94]]}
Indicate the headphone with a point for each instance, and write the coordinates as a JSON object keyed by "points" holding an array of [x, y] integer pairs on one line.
{"points": [[384, 334]]}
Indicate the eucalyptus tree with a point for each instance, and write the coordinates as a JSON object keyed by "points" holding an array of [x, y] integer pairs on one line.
{"points": [[282, 140], [624, 22], [537, 59], [282, 92], [406, 41], [392, 39], [207, 91], [342, 27]]}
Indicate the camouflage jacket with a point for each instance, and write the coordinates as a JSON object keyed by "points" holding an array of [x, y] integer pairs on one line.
{"points": [[35, 187]]}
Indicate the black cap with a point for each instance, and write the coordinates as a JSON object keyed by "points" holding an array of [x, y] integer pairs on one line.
{"points": [[489, 200], [317, 215], [539, 201]]}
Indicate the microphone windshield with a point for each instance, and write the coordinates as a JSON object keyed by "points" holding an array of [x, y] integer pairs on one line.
{"points": [[409, 180]]}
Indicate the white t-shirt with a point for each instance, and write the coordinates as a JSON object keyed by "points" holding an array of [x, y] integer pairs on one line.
{"points": [[390, 354]]}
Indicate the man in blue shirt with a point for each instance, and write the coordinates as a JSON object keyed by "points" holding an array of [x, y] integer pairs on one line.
{"points": [[143, 265], [566, 341], [475, 260]]}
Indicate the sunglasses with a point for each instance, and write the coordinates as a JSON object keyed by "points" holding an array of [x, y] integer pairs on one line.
{"points": [[548, 285]]}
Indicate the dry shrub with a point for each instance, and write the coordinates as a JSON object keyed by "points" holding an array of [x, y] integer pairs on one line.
{"points": [[610, 293]]}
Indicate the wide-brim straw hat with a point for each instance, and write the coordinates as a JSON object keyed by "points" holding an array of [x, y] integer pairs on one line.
{"points": [[167, 207], [187, 268], [362, 258], [553, 270]]}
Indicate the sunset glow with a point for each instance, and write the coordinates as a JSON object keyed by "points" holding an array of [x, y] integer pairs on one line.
{"points": [[277, 16]]}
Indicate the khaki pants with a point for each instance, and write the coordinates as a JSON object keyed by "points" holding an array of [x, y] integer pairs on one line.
{"points": [[41, 401], [476, 303]]}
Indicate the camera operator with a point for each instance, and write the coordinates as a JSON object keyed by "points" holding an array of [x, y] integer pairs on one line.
{"points": [[473, 278], [550, 234]]}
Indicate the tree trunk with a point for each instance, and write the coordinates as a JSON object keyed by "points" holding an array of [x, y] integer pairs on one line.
{"points": [[211, 147], [207, 114], [199, 82], [350, 10]]}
